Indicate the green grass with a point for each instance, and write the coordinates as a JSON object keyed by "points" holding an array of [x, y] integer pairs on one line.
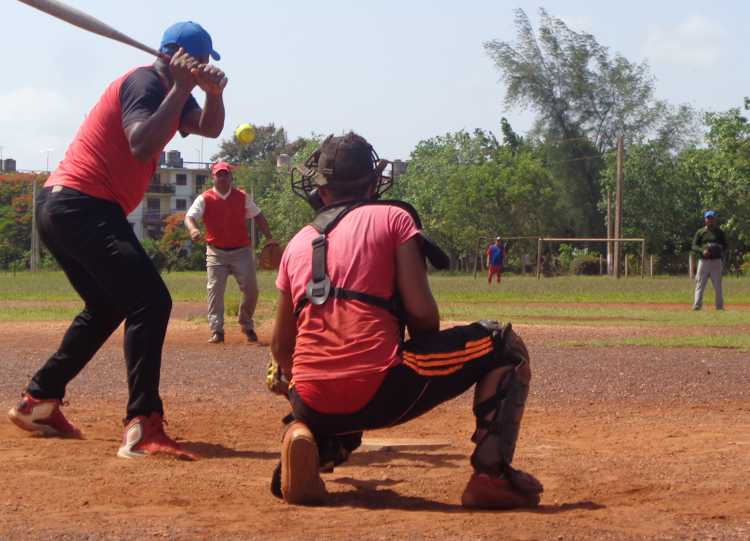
{"points": [[191, 286], [565, 301], [601, 315], [739, 342]]}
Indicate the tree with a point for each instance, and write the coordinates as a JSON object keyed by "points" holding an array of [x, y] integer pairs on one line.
{"points": [[269, 142], [584, 96], [15, 217], [175, 249], [467, 185]]}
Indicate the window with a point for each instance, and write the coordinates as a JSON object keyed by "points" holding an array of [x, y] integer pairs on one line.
{"points": [[181, 179], [181, 204], [153, 204], [156, 179], [200, 182]]}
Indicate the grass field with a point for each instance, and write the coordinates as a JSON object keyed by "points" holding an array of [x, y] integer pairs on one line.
{"points": [[659, 303]]}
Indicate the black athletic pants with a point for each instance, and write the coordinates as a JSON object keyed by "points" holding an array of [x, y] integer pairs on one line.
{"points": [[436, 368], [95, 245]]}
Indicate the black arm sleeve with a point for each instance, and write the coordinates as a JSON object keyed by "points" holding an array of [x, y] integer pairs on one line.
{"points": [[141, 94]]}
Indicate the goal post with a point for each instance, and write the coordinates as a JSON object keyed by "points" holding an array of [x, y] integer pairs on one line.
{"points": [[542, 240], [484, 241]]}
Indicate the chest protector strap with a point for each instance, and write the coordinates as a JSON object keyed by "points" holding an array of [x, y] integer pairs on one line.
{"points": [[320, 289]]}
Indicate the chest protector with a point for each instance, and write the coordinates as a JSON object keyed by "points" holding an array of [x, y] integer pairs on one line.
{"points": [[320, 289]]}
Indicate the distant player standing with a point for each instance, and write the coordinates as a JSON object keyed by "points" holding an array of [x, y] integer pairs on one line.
{"points": [[225, 210], [82, 218], [495, 260], [709, 244]]}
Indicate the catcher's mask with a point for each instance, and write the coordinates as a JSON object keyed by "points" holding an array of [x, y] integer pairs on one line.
{"points": [[347, 164]]}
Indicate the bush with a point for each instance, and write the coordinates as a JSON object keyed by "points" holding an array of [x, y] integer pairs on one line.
{"points": [[585, 264], [745, 267]]}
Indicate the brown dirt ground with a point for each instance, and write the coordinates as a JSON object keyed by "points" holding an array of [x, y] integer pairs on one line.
{"points": [[630, 443]]}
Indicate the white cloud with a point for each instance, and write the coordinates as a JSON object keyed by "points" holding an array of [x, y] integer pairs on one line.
{"points": [[696, 42]]}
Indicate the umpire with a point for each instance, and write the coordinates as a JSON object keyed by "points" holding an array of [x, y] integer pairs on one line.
{"points": [[709, 244]]}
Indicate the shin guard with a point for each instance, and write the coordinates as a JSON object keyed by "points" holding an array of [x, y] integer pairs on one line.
{"points": [[496, 437]]}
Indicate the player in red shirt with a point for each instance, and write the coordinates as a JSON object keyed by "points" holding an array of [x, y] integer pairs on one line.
{"points": [[496, 254], [82, 218], [225, 210], [348, 285]]}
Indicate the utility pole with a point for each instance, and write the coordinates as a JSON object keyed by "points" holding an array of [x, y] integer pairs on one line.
{"points": [[34, 262], [618, 203], [610, 232]]}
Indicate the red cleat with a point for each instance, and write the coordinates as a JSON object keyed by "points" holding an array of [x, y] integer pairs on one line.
{"points": [[42, 416], [489, 492], [144, 436]]}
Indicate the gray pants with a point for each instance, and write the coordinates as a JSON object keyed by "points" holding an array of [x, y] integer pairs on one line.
{"points": [[240, 264], [708, 268]]}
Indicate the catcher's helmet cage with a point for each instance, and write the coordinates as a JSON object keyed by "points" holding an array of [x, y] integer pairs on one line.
{"points": [[348, 161]]}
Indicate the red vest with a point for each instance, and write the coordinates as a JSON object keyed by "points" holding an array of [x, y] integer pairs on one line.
{"points": [[226, 224], [99, 163]]}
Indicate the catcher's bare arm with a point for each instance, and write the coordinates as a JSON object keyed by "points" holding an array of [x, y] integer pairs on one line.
{"points": [[284, 333], [422, 314]]}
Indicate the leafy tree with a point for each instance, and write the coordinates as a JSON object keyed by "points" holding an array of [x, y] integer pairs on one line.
{"points": [[176, 248], [269, 142], [584, 96], [467, 185], [15, 217]]}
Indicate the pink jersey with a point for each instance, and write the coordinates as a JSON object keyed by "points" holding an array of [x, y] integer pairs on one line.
{"points": [[348, 339]]}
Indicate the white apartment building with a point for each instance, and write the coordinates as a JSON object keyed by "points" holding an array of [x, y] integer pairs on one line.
{"points": [[172, 189]]}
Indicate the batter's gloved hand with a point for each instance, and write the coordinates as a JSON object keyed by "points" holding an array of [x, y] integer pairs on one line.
{"points": [[275, 379]]}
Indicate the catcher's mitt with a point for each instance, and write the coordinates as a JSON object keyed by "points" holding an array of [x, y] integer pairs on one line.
{"points": [[270, 256], [275, 380]]}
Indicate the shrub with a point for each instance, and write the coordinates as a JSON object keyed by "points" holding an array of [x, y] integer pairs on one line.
{"points": [[585, 264]]}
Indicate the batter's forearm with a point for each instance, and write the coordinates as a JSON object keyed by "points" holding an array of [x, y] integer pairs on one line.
{"points": [[149, 137], [212, 118]]}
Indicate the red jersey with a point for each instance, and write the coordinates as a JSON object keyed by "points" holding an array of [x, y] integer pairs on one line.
{"points": [[347, 344], [226, 219], [99, 162]]}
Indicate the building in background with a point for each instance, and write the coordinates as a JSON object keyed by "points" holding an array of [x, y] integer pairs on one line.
{"points": [[173, 188]]}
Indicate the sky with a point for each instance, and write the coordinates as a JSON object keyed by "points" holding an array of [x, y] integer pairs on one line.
{"points": [[397, 72]]}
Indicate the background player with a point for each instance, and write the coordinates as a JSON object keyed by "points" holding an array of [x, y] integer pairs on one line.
{"points": [[225, 210], [495, 260]]}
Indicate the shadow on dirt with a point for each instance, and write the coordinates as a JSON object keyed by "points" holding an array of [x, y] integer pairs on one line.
{"points": [[215, 450], [368, 494]]}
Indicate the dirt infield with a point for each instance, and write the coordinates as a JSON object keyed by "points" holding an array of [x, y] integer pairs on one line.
{"points": [[631, 443]]}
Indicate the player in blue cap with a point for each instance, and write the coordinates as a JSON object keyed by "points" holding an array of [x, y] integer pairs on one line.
{"points": [[709, 245], [82, 218]]}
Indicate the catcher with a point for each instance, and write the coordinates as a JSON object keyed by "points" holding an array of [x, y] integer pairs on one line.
{"points": [[709, 244], [225, 210], [349, 284]]}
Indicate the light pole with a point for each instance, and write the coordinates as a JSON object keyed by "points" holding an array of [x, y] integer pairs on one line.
{"points": [[34, 263]]}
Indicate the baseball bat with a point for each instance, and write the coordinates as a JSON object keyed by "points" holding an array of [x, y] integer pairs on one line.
{"points": [[87, 22]]}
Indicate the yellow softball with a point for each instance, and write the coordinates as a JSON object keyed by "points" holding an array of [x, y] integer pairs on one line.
{"points": [[245, 133]]}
